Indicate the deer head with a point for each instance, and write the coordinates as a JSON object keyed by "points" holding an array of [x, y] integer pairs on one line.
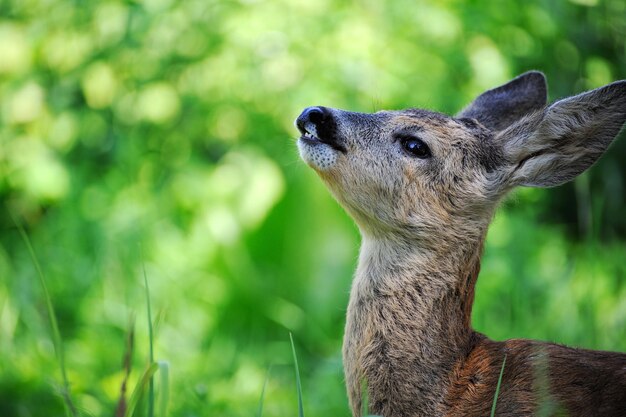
{"points": [[437, 179]]}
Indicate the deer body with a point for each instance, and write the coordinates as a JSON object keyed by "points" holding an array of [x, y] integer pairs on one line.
{"points": [[422, 188], [414, 346]]}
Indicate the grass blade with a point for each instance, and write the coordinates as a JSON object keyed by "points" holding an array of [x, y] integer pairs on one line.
{"points": [[139, 389], [120, 410], [150, 337], [495, 397], [164, 371], [57, 342], [267, 378], [298, 384]]}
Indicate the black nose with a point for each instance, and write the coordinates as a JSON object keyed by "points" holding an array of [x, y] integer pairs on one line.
{"points": [[318, 123], [315, 115]]}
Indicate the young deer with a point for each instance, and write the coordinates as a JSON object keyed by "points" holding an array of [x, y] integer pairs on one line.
{"points": [[423, 187]]}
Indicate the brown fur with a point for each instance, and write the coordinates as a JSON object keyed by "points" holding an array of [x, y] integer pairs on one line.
{"points": [[423, 221]]}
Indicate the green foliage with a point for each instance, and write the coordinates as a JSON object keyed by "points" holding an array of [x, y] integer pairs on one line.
{"points": [[169, 123]]}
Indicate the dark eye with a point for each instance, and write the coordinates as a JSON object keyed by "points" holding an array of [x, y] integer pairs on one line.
{"points": [[415, 147]]}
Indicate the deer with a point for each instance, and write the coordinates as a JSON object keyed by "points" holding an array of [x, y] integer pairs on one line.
{"points": [[423, 187]]}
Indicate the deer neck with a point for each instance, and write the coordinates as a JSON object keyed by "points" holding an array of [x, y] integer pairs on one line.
{"points": [[408, 323]]}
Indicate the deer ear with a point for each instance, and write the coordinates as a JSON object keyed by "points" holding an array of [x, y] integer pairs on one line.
{"points": [[551, 147], [500, 107]]}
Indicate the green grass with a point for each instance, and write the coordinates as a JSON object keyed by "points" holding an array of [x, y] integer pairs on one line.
{"points": [[57, 341], [147, 379], [150, 337], [122, 405], [140, 388], [298, 382], [259, 412], [164, 373]]}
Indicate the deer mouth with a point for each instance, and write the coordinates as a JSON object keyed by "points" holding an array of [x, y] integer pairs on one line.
{"points": [[312, 139]]}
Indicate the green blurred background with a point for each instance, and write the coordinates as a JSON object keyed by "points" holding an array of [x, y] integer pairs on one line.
{"points": [[160, 132]]}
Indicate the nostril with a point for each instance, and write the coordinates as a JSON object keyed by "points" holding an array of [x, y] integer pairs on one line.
{"points": [[314, 114]]}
